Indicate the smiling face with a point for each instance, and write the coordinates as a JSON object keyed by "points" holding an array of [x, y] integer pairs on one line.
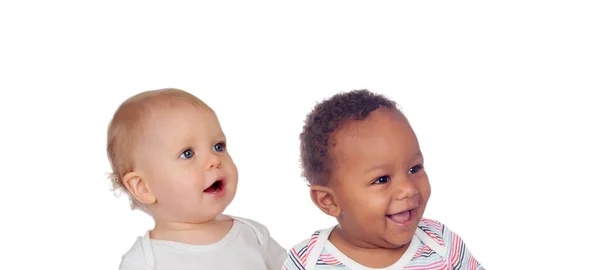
{"points": [[182, 157], [378, 181]]}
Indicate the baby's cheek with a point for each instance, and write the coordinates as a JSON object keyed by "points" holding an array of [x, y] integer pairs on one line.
{"points": [[424, 187], [185, 185], [372, 207]]}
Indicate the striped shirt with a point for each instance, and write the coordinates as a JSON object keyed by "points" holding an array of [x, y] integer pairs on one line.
{"points": [[433, 246]]}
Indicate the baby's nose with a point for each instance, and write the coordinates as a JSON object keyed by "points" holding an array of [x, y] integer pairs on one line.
{"points": [[213, 162], [405, 189]]}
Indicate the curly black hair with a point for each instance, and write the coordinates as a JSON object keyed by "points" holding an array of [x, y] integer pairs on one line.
{"points": [[325, 118]]}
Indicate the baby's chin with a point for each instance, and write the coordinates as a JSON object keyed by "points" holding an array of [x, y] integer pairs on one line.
{"points": [[393, 241], [204, 216], [214, 210], [205, 212], [399, 231]]}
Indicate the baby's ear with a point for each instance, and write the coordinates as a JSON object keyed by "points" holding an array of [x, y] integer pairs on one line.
{"points": [[324, 198], [138, 188]]}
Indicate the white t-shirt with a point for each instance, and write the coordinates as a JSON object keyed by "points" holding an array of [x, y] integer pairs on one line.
{"points": [[247, 245]]}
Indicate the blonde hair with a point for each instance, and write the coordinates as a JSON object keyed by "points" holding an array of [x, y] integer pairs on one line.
{"points": [[126, 127]]}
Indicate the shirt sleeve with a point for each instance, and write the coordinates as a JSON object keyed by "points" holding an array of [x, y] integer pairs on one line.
{"points": [[276, 253], [292, 262], [130, 264], [458, 254]]}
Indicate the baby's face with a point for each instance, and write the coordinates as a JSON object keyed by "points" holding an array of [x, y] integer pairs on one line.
{"points": [[183, 157], [378, 179]]}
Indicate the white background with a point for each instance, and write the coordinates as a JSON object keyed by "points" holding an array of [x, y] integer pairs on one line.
{"points": [[503, 96]]}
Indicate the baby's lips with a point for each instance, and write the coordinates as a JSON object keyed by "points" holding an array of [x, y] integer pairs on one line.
{"points": [[220, 178], [400, 217], [411, 206]]}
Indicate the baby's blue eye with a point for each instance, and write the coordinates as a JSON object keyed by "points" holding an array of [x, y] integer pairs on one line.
{"points": [[219, 147], [382, 180], [415, 169], [188, 153]]}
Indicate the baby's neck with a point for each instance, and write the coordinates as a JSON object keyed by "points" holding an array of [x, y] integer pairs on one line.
{"points": [[365, 253], [205, 233]]}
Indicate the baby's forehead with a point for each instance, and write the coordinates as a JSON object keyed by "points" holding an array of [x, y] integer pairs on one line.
{"points": [[168, 107], [170, 103], [180, 119], [373, 135], [377, 123]]}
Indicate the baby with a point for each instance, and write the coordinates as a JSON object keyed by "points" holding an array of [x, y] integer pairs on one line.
{"points": [[169, 154], [365, 168]]}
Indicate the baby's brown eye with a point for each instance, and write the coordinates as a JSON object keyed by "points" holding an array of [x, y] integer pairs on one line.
{"points": [[188, 153], [382, 180], [415, 169]]}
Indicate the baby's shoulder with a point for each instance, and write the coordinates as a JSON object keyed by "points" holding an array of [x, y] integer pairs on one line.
{"points": [[306, 245], [432, 227], [252, 224], [439, 232], [135, 256], [452, 244], [248, 221], [260, 230]]}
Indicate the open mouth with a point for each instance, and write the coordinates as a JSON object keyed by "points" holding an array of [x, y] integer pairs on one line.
{"points": [[216, 187], [401, 218]]}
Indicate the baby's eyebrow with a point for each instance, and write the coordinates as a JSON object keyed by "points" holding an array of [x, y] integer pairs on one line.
{"points": [[221, 138], [376, 167], [417, 155], [220, 135]]}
